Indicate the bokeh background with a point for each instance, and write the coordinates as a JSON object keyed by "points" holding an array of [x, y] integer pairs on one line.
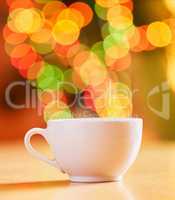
{"points": [[149, 69]]}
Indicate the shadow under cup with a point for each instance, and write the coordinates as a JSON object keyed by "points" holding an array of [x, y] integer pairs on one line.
{"points": [[91, 149]]}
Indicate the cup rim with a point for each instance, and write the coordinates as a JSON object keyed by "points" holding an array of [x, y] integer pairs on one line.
{"points": [[97, 119]]}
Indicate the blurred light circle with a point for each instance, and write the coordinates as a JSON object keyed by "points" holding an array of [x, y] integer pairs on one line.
{"points": [[34, 70], [28, 21], [50, 77], [21, 50], [90, 68], [71, 14], [85, 10], [116, 46], [134, 39], [63, 50], [27, 61], [15, 4], [8, 48], [159, 34], [75, 50], [66, 32], [101, 12], [44, 48], [120, 17], [127, 33], [11, 19], [119, 64], [107, 3], [41, 36], [129, 4], [92, 73], [143, 42], [52, 9], [12, 37], [80, 58]]}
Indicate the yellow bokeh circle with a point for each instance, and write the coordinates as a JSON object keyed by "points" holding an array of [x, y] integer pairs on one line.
{"points": [[28, 20], [107, 3], [73, 15], [159, 34], [120, 17], [42, 36], [66, 32]]}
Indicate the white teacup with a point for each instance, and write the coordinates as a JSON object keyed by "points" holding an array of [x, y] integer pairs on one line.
{"points": [[91, 149]]}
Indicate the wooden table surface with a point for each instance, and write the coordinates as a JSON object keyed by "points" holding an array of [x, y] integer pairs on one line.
{"points": [[152, 177]]}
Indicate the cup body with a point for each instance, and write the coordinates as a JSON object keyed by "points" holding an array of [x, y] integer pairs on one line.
{"points": [[95, 149]]}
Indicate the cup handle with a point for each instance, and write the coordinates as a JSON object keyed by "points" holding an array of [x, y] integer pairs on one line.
{"points": [[32, 151]]}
